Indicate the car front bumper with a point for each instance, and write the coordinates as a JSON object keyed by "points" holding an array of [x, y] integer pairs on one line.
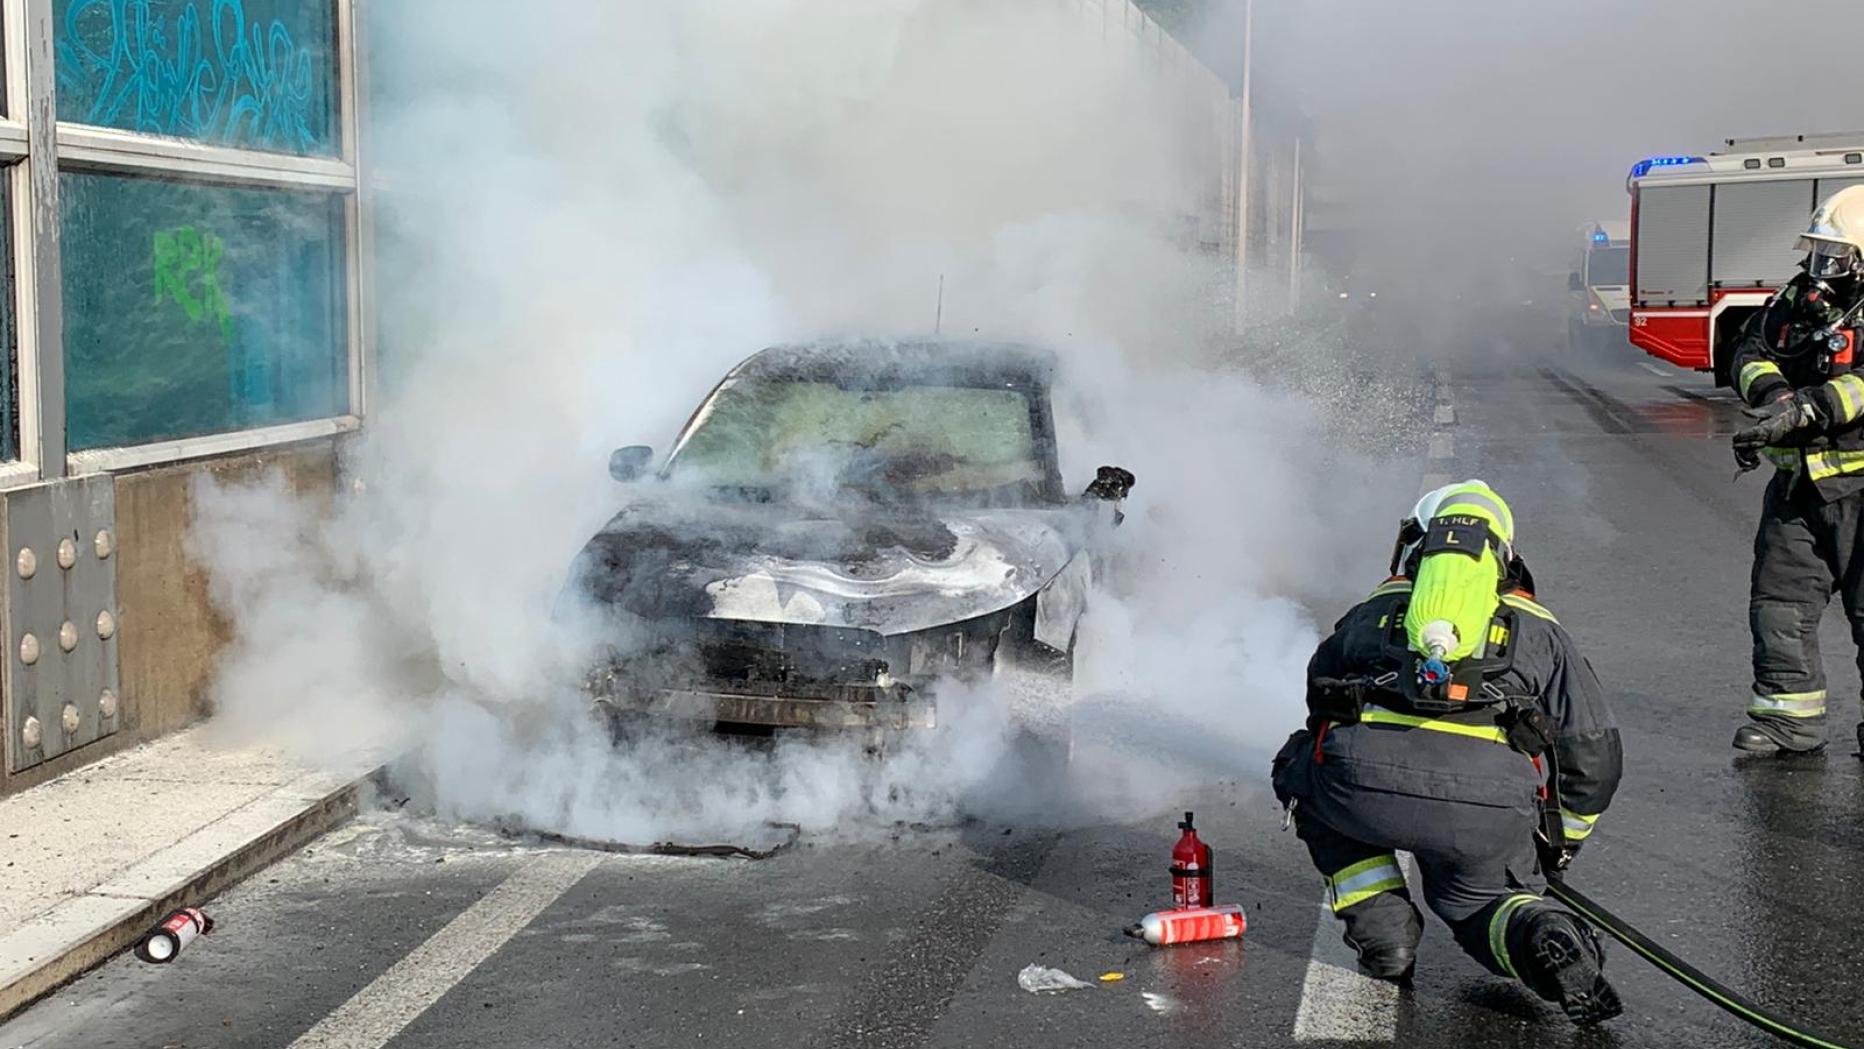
{"points": [[817, 706]]}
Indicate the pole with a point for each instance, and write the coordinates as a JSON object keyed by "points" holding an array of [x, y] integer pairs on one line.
{"points": [[1243, 150]]}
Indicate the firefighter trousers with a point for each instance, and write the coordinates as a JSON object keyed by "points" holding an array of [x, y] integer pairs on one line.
{"points": [[1476, 862], [1805, 550]]}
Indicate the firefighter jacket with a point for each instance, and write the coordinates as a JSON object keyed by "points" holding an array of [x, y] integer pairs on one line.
{"points": [[1832, 454], [1466, 756]]}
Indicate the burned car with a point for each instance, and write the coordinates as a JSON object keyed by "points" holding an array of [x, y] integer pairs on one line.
{"points": [[838, 527]]}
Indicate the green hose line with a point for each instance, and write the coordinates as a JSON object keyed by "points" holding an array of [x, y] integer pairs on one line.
{"points": [[1684, 973]]}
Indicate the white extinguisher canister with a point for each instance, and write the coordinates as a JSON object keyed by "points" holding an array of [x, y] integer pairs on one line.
{"points": [[162, 943], [1190, 925]]}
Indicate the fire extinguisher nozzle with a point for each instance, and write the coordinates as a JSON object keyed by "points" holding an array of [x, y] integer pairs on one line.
{"points": [[1137, 931]]}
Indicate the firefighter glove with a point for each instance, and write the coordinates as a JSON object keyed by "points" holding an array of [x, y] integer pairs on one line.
{"points": [[1778, 421]]}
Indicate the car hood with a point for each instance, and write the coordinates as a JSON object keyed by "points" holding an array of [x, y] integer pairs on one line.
{"points": [[892, 572]]}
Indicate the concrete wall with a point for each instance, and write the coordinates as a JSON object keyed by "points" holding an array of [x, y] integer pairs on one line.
{"points": [[169, 634]]}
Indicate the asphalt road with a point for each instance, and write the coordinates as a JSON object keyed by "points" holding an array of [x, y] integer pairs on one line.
{"points": [[393, 931]]}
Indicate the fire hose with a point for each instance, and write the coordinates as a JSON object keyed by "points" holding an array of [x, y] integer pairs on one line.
{"points": [[1686, 974], [1554, 857]]}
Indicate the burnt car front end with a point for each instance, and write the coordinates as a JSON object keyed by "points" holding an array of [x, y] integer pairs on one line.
{"points": [[763, 675], [940, 538]]}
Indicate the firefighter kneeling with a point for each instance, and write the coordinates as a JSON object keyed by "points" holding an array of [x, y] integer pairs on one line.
{"points": [[1436, 710]]}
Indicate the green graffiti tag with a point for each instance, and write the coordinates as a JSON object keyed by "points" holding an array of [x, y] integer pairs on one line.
{"points": [[187, 270]]}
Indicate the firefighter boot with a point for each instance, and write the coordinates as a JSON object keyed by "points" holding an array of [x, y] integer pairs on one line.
{"points": [[1773, 734], [1384, 931], [1560, 958]]}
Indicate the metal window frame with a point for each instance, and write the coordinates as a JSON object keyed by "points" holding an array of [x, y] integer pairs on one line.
{"points": [[39, 315], [35, 147], [84, 147], [155, 453]]}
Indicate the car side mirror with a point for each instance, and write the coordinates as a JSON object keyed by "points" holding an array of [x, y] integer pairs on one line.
{"points": [[1110, 483], [1574, 282], [628, 464]]}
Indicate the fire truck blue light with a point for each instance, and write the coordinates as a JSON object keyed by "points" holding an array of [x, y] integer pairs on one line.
{"points": [[1643, 166]]}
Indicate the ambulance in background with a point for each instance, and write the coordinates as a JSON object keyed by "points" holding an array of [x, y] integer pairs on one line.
{"points": [[1599, 288], [1712, 238]]}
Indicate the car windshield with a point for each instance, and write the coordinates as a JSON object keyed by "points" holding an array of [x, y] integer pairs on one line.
{"points": [[907, 442], [1608, 266]]}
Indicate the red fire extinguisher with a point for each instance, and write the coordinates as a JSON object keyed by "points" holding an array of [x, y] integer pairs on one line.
{"points": [[1190, 869]]}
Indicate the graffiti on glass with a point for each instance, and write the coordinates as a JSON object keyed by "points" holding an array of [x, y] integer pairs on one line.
{"points": [[189, 68], [187, 271]]}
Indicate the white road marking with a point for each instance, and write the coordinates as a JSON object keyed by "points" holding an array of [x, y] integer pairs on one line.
{"points": [[1338, 1002], [379, 1011], [1655, 370]]}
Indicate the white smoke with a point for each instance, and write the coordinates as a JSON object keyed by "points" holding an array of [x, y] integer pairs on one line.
{"points": [[587, 217]]}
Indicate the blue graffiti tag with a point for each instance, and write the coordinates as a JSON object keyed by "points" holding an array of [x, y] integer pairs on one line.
{"points": [[131, 64]]}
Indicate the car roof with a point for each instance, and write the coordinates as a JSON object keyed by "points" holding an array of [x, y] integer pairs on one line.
{"points": [[961, 361]]}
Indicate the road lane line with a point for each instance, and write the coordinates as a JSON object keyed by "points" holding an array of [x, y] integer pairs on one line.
{"points": [[1338, 1002], [1442, 447], [1654, 370], [392, 1000], [1446, 415]]}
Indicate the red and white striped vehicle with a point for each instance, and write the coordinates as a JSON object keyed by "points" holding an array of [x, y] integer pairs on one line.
{"points": [[1712, 237]]}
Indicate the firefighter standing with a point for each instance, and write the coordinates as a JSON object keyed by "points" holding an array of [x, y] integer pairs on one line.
{"points": [[1797, 365], [1433, 709]]}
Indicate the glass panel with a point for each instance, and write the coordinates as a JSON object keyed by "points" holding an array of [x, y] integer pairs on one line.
{"points": [[194, 309], [252, 74], [906, 441]]}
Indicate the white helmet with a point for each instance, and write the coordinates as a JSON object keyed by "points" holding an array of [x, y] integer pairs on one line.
{"points": [[1834, 243]]}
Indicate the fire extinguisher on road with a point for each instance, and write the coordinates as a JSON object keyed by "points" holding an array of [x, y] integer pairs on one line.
{"points": [[1190, 869]]}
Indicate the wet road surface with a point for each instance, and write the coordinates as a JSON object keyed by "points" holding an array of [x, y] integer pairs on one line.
{"points": [[1621, 478]]}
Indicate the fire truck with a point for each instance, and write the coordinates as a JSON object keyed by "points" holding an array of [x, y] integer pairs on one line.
{"points": [[1712, 238]]}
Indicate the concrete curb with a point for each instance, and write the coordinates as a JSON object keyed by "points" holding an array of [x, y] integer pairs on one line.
{"points": [[68, 940]]}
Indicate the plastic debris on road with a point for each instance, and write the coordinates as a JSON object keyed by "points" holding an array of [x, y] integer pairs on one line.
{"points": [[1111, 977], [1040, 979]]}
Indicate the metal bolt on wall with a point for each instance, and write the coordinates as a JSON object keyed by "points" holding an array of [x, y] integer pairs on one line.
{"points": [[60, 697]]}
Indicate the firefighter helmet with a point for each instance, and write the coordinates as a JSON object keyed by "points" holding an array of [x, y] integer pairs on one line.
{"points": [[1834, 243]]}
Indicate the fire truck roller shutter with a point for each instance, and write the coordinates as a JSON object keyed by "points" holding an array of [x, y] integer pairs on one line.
{"points": [[1673, 246], [1755, 224]]}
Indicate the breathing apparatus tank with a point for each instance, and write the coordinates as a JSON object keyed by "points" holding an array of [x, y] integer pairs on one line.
{"points": [[1466, 539]]}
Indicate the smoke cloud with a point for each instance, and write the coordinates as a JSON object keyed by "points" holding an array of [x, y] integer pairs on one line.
{"points": [[586, 216], [1460, 145]]}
